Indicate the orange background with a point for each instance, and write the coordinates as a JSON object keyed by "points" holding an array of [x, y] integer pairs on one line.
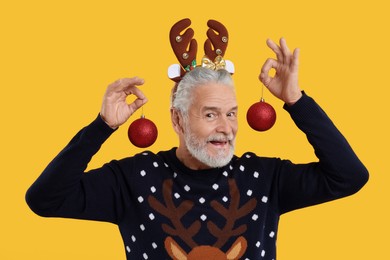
{"points": [[57, 57]]}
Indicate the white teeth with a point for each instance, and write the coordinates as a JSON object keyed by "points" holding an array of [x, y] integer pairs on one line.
{"points": [[220, 138]]}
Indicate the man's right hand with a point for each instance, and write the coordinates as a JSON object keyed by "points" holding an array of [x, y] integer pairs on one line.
{"points": [[115, 110]]}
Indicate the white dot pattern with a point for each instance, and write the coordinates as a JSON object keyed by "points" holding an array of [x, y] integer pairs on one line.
{"points": [[187, 191]]}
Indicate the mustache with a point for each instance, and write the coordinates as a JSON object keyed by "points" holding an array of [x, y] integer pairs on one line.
{"points": [[220, 138]]}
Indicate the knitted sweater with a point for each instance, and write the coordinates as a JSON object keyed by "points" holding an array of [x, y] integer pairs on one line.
{"points": [[165, 210]]}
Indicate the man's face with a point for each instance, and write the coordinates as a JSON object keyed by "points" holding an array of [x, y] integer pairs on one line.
{"points": [[211, 127]]}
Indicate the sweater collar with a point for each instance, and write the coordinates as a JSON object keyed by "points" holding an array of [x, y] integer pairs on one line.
{"points": [[172, 160]]}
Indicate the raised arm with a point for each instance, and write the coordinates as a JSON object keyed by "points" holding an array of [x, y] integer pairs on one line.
{"points": [[339, 172], [64, 189]]}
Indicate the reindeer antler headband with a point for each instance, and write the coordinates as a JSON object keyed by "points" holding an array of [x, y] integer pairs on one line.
{"points": [[185, 48]]}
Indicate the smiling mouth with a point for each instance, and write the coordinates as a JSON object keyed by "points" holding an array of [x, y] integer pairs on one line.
{"points": [[219, 143]]}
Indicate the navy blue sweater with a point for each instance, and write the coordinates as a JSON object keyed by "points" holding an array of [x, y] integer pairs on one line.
{"points": [[165, 210]]}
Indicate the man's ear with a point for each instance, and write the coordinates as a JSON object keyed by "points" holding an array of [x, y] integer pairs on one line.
{"points": [[177, 121]]}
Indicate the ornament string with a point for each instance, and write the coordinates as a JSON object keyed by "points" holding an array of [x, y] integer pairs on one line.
{"points": [[262, 93]]}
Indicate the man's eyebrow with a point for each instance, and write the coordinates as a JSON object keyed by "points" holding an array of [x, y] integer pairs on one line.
{"points": [[218, 108]]}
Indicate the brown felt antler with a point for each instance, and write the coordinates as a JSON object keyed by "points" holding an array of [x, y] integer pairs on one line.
{"points": [[183, 45], [232, 213], [175, 214], [217, 41], [185, 48]]}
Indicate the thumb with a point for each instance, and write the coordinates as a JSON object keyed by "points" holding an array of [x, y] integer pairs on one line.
{"points": [[265, 79], [264, 76]]}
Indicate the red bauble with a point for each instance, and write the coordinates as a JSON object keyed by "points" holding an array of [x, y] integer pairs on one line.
{"points": [[142, 132], [261, 116]]}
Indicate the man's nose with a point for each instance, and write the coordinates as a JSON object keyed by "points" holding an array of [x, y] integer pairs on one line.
{"points": [[224, 125]]}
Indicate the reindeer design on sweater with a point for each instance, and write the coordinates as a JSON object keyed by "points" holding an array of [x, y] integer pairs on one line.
{"points": [[175, 213]]}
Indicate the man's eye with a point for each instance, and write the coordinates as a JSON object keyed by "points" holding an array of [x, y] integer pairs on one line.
{"points": [[211, 115], [231, 114]]}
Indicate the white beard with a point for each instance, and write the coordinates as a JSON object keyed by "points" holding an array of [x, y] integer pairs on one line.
{"points": [[198, 150]]}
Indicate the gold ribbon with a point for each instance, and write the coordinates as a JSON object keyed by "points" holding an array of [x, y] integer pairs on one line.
{"points": [[217, 64]]}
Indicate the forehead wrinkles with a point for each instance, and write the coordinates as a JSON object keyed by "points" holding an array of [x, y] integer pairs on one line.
{"points": [[214, 96]]}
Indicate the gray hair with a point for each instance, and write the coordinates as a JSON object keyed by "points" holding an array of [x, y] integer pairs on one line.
{"points": [[181, 97]]}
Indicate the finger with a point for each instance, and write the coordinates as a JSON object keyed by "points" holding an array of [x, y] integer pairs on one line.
{"points": [[121, 84], [129, 86], [276, 49], [269, 64], [133, 90], [139, 101], [295, 60], [136, 104], [135, 81], [285, 50]]}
